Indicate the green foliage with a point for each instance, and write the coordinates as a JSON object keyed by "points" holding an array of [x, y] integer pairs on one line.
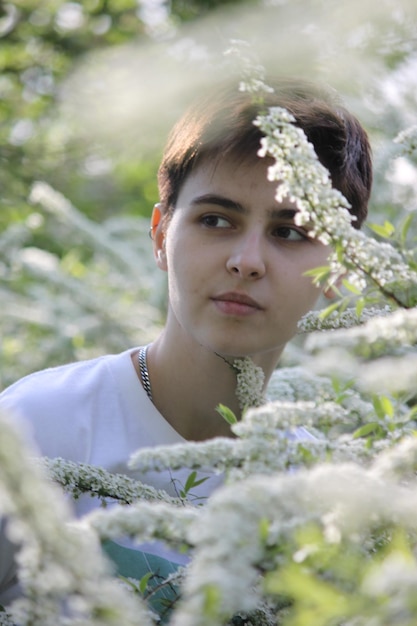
{"points": [[191, 9], [327, 582], [191, 482], [41, 45], [227, 414], [211, 600], [90, 293]]}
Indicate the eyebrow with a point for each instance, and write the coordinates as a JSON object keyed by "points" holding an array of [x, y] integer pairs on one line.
{"points": [[227, 203]]}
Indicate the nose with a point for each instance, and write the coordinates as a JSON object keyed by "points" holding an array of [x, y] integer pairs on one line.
{"points": [[246, 258]]}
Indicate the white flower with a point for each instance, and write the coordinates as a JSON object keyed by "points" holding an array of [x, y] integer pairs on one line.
{"points": [[78, 478], [313, 320], [396, 374], [251, 71], [143, 521], [54, 579], [250, 383], [398, 462], [6, 619], [213, 453], [408, 139], [345, 501], [304, 180], [377, 336]]}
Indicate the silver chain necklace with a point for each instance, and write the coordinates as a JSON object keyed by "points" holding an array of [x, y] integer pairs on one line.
{"points": [[144, 374]]}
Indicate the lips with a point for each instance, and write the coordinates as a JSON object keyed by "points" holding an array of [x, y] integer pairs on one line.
{"points": [[240, 298], [234, 303]]}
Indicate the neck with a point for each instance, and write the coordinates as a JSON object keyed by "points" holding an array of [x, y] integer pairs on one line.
{"points": [[188, 383]]}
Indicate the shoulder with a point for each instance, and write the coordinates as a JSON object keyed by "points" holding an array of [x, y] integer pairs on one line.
{"points": [[60, 404], [57, 382]]}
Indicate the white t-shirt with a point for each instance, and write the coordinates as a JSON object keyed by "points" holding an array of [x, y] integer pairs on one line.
{"points": [[96, 412]]}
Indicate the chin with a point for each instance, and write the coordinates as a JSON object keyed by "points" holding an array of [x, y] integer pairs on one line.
{"points": [[239, 345], [231, 351], [255, 351]]}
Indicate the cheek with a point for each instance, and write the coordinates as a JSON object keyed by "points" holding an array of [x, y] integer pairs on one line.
{"points": [[301, 293], [172, 244], [319, 257], [309, 290], [180, 267]]}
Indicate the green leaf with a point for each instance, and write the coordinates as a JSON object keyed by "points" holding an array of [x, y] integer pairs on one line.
{"points": [[378, 407], [318, 273], [305, 453], [264, 529], [387, 406], [351, 288], [365, 430], [329, 310], [143, 583], [360, 305], [211, 600], [385, 230], [316, 600], [405, 226], [192, 482], [413, 413], [340, 254], [227, 414], [383, 406], [129, 582]]}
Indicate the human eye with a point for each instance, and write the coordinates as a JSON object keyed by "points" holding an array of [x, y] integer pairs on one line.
{"points": [[212, 220], [289, 233]]}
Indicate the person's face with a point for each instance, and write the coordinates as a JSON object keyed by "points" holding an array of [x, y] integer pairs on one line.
{"points": [[235, 261]]}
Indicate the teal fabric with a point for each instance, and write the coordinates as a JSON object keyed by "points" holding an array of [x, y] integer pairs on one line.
{"points": [[136, 564]]}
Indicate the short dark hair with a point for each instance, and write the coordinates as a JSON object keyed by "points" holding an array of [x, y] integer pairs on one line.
{"points": [[221, 124]]}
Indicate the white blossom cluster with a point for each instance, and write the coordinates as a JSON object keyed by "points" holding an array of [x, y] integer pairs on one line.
{"points": [[378, 336], [59, 206], [390, 374], [289, 384], [380, 261], [347, 503], [293, 384], [250, 379], [266, 420], [251, 71], [216, 453], [273, 437], [408, 140], [78, 478], [6, 619], [53, 576], [230, 551], [282, 435], [255, 454], [306, 182], [313, 320], [143, 522], [398, 462], [301, 177], [350, 449]]}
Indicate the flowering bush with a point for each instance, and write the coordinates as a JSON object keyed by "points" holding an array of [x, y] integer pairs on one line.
{"points": [[316, 522]]}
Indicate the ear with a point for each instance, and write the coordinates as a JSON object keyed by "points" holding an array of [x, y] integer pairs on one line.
{"points": [[158, 237]]}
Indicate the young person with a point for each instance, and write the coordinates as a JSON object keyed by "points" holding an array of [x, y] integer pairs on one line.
{"points": [[235, 261]]}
